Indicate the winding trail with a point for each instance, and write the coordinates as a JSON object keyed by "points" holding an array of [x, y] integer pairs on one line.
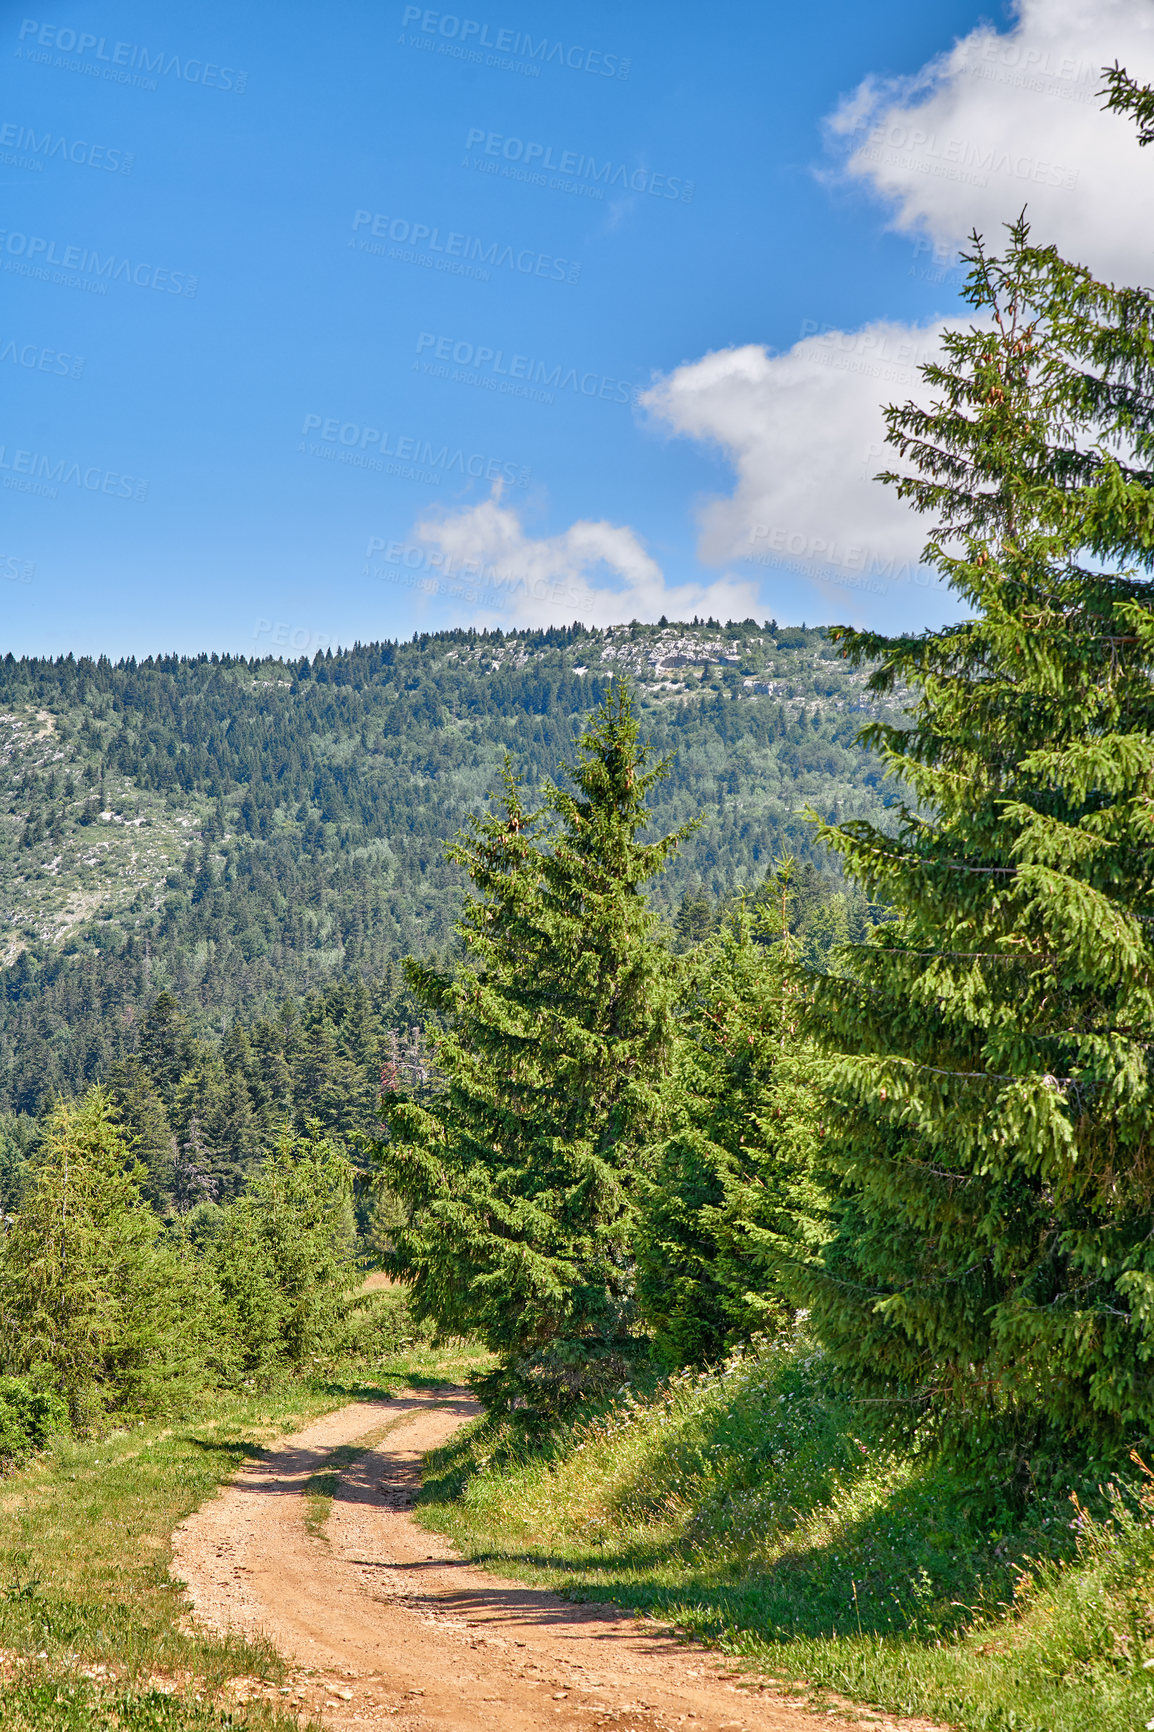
{"points": [[386, 1627]]}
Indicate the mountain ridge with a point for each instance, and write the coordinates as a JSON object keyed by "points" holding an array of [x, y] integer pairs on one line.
{"points": [[242, 830]]}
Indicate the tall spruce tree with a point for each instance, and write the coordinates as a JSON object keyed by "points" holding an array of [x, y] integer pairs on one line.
{"points": [[990, 1143], [227, 1136], [519, 1178], [146, 1129], [730, 1188], [166, 1046]]}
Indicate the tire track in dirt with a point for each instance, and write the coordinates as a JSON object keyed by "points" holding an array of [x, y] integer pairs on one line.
{"points": [[387, 1627]]}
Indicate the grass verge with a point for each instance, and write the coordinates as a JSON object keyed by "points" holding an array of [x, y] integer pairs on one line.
{"points": [[92, 1630], [756, 1509]]}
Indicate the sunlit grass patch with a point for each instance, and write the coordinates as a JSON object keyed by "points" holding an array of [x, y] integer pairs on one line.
{"points": [[85, 1538], [66, 1703]]}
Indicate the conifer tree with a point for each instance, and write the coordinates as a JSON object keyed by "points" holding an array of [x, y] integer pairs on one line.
{"points": [[19, 1133], [91, 1300], [227, 1138], [146, 1129], [165, 1048], [271, 1078], [282, 1257], [730, 1188], [192, 1179], [327, 1085], [520, 1176], [990, 1137], [694, 920]]}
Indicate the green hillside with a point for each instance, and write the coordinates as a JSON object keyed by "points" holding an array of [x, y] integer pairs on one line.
{"points": [[240, 832]]}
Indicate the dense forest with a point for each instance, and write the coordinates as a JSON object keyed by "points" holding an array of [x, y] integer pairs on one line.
{"points": [[239, 833]]}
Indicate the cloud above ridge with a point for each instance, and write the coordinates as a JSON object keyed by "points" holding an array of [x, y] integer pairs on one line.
{"points": [[805, 434], [1003, 119], [598, 572]]}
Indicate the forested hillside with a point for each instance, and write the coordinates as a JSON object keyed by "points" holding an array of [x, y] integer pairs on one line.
{"points": [[239, 832], [797, 1243]]}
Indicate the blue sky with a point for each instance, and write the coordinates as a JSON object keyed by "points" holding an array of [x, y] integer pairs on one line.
{"points": [[334, 323]]}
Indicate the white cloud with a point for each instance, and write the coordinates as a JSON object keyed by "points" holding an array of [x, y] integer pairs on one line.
{"points": [[599, 573], [805, 434], [1013, 118], [1001, 120]]}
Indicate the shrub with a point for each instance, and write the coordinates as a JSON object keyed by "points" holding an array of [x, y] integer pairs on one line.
{"points": [[281, 1259], [29, 1417]]}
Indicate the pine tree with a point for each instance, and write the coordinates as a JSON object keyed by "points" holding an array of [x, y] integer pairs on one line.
{"points": [[694, 920], [146, 1129], [520, 1176], [282, 1258], [192, 1179], [227, 1136], [826, 929], [730, 1189], [327, 1086], [270, 1080], [165, 1047], [91, 1301], [990, 1143], [19, 1134]]}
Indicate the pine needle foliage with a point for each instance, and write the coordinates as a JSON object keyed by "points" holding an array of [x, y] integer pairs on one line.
{"points": [[519, 1179], [731, 1186], [1127, 96], [282, 1260], [991, 1146], [92, 1302]]}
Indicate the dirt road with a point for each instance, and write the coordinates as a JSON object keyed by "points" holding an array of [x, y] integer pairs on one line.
{"points": [[385, 1626]]}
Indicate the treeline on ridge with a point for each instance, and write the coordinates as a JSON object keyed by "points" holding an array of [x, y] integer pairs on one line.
{"points": [[252, 830]]}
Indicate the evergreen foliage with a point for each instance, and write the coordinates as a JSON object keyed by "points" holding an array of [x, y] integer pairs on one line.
{"points": [[92, 1303], [990, 1098], [244, 831], [1127, 96], [282, 1259], [202, 1115], [105, 1308], [730, 1187], [520, 1177], [19, 1134], [146, 1126]]}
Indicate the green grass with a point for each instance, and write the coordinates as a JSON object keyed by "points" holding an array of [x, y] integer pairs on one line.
{"points": [[758, 1509], [91, 1626]]}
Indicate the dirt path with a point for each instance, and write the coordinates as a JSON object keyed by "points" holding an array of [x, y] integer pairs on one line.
{"points": [[385, 1626]]}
